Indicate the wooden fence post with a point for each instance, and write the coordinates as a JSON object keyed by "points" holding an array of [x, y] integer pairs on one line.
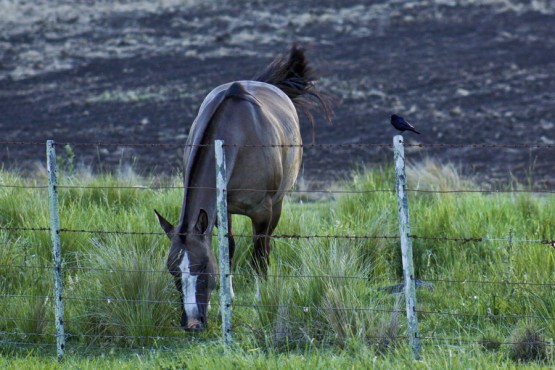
{"points": [[223, 243], [56, 246], [406, 243]]}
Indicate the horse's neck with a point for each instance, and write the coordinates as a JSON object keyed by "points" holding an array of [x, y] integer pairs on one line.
{"points": [[198, 195]]}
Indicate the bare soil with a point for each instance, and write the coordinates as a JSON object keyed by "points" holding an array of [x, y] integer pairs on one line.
{"points": [[136, 71]]}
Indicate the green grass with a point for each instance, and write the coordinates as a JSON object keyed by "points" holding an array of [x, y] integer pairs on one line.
{"points": [[202, 356], [121, 306]]}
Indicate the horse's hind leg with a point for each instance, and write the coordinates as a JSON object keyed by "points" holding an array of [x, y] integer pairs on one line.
{"points": [[262, 234]]}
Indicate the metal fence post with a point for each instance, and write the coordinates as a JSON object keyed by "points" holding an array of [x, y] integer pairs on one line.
{"points": [[56, 247], [223, 243], [406, 243]]}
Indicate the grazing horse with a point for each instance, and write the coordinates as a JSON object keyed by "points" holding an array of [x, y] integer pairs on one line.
{"points": [[259, 124]]}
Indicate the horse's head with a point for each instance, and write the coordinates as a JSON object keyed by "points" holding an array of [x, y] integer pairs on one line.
{"points": [[193, 266]]}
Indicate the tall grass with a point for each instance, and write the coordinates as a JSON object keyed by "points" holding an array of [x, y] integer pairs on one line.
{"points": [[321, 294]]}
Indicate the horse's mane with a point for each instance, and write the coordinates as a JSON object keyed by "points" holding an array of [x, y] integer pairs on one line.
{"points": [[294, 76]]}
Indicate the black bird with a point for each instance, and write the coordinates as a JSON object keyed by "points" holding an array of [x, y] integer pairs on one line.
{"points": [[401, 124]]}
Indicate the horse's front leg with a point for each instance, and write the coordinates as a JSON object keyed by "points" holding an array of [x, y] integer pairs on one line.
{"points": [[262, 234]]}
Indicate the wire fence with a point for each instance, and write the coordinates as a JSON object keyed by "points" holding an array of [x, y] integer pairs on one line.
{"points": [[321, 191], [33, 325], [314, 146]]}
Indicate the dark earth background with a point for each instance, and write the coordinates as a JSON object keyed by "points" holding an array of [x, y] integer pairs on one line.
{"points": [[136, 71]]}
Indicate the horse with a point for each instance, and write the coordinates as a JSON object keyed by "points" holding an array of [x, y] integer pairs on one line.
{"points": [[258, 122]]}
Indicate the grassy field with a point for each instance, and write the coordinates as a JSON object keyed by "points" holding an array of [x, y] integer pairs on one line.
{"points": [[321, 305]]}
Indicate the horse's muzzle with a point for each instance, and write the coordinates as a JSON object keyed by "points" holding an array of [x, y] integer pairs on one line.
{"points": [[194, 326]]}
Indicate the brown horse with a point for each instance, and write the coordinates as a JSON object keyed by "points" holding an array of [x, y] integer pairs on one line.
{"points": [[258, 122]]}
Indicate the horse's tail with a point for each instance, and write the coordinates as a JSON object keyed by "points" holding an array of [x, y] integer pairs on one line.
{"points": [[293, 75]]}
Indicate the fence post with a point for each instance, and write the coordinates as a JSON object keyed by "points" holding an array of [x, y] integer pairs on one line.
{"points": [[223, 242], [56, 248], [406, 243]]}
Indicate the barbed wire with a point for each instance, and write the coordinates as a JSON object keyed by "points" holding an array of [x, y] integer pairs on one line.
{"points": [[40, 296], [165, 271], [531, 191], [164, 187], [24, 319], [122, 336], [4, 332], [482, 146], [116, 232], [288, 276], [491, 316], [23, 143], [85, 323], [307, 146], [462, 239], [299, 236], [485, 239], [19, 343], [285, 333], [24, 186], [425, 340], [487, 282], [89, 299], [125, 325], [157, 337], [482, 341], [307, 308], [9, 228], [292, 191], [252, 305], [114, 347], [99, 144], [439, 339]]}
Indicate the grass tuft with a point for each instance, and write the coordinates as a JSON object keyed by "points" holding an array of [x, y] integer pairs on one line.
{"points": [[528, 344]]}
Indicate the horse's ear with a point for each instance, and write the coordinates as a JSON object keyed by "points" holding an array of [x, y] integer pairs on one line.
{"points": [[166, 226], [202, 223]]}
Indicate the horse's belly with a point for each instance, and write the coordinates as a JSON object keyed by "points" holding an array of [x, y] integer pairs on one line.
{"points": [[252, 194]]}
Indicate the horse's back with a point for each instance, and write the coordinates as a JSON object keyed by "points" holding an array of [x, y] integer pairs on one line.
{"points": [[261, 129], [267, 140], [272, 103]]}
